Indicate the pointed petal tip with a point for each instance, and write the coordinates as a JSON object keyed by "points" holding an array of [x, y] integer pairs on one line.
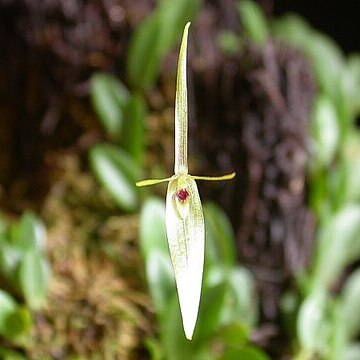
{"points": [[189, 329], [189, 317]]}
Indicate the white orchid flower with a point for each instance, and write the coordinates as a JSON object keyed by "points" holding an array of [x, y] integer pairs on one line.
{"points": [[184, 215]]}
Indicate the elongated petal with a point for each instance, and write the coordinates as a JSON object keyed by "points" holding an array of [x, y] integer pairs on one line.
{"points": [[181, 110], [214, 178], [186, 238], [151, 182]]}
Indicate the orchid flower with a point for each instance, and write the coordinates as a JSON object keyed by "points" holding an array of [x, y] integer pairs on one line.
{"points": [[185, 226]]}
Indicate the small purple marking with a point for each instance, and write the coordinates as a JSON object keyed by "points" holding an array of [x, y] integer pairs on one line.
{"points": [[182, 194]]}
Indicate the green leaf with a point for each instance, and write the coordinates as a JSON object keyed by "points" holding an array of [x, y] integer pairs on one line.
{"points": [[160, 279], [18, 323], [325, 130], [289, 306], [253, 21], [338, 245], [319, 190], [133, 134], [220, 236], [350, 304], [234, 335], [28, 233], [352, 83], [352, 167], [242, 303], [338, 340], [176, 346], [3, 227], [154, 347], [109, 97], [34, 274], [229, 42], [117, 172], [246, 353], [143, 60], [326, 58], [7, 307], [211, 305], [325, 55], [9, 259], [155, 37], [173, 15], [292, 28], [7, 354], [152, 227], [313, 327]]}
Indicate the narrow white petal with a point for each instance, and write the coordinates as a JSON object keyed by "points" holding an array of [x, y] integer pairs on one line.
{"points": [[181, 109], [186, 238]]}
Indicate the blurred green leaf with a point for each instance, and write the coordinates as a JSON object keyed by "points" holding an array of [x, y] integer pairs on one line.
{"points": [[338, 245], [312, 325], [292, 28], [34, 275], [155, 37], [15, 321], [241, 300], [352, 83], [3, 227], [173, 15], [350, 304], [325, 55], [152, 227], [9, 258], [229, 42], [234, 335], [220, 243], [338, 183], [143, 59], [351, 161], [240, 304], [211, 304], [28, 233], [18, 323], [160, 278], [117, 172], [7, 354], [338, 340], [253, 21], [109, 97], [133, 134], [154, 348], [289, 305], [176, 346], [325, 130], [246, 353], [319, 190], [326, 58], [7, 307]]}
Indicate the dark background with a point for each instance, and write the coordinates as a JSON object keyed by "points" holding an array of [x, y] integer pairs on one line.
{"points": [[338, 19]]}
